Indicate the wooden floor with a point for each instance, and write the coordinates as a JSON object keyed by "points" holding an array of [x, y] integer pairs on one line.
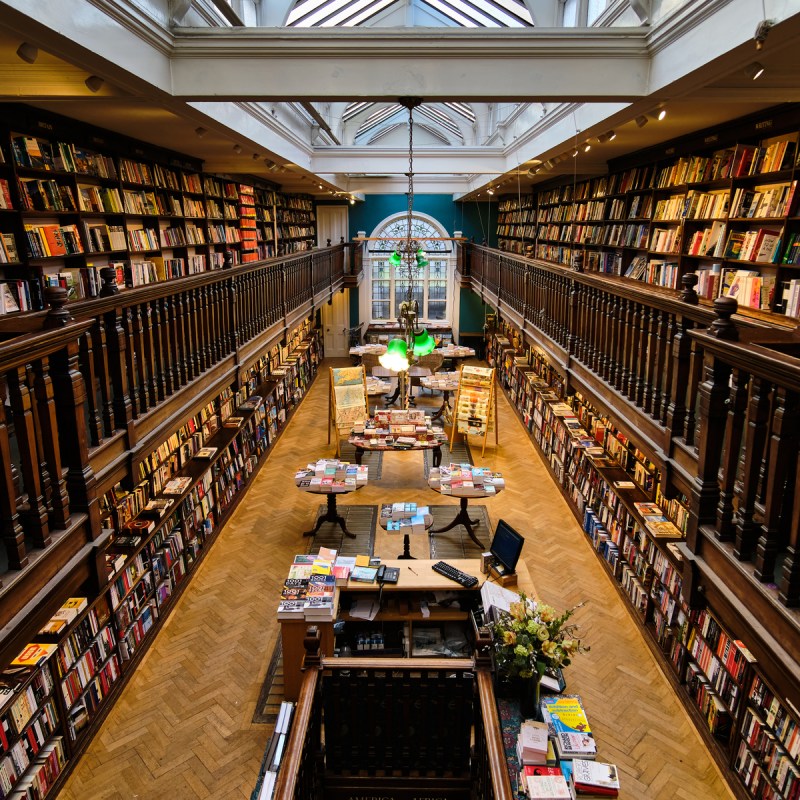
{"points": [[182, 728]]}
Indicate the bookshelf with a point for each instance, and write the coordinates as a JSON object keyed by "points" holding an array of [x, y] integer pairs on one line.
{"points": [[722, 204], [753, 734], [75, 199]]}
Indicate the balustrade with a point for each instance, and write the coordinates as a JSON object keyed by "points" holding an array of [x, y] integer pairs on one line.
{"points": [[108, 363]]}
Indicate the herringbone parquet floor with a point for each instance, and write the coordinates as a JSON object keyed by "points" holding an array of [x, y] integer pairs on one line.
{"points": [[182, 728]]}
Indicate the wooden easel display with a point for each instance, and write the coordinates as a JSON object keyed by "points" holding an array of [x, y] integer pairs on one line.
{"points": [[476, 404], [348, 400]]}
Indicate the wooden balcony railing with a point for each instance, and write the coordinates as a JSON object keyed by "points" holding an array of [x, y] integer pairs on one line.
{"points": [[87, 383], [427, 725], [710, 396]]}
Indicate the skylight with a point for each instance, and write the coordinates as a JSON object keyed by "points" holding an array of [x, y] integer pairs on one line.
{"points": [[465, 13]]}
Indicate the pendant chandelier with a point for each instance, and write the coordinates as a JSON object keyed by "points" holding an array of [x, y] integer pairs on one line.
{"points": [[409, 255]]}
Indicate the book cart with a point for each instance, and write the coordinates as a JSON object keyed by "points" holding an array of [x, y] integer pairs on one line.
{"points": [[348, 400], [611, 487], [476, 405]]}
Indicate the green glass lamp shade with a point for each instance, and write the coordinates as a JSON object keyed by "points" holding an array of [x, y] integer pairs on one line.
{"points": [[421, 260], [423, 343], [395, 260], [396, 356]]}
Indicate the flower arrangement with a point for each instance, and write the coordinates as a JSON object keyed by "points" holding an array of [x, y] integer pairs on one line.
{"points": [[532, 638]]}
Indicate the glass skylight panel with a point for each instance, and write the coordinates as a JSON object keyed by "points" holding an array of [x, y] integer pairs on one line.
{"points": [[497, 14], [453, 15], [301, 9], [376, 118], [323, 12], [355, 108], [440, 118], [463, 109], [370, 12], [346, 15], [467, 9]]}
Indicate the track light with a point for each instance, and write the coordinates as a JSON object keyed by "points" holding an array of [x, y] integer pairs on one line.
{"points": [[659, 114], [256, 156], [606, 137], [754, 71], [237, 148], [575, 153], [490, 191], [641, 120], [549, 164], [28, 52], [611, 135], [587, 147], [94, 83], [201, 131]]}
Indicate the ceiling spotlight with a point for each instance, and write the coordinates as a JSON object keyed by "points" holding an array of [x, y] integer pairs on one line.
{"points": [[606, 137], [754, 71], [549, 164], [659, 114], [611, 135], [94, 83], [762, 30], [641, 120], [28, 52], [352, 201], [201, 131], [237, 148], [575, 153], [490, 191], [587, 147], [256, 156]]}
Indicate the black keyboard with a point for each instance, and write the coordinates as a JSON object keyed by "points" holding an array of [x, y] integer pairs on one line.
{"points": [[455, 574]]}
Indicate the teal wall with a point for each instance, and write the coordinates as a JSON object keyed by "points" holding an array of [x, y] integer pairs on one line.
{"points": [[476, 221], [472, 311]]}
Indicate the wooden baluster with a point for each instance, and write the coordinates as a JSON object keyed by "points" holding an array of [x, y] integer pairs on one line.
{"points": [[695, 375], [48, 426], [13, 534], [642, 353], [208, 325], [232, 312], [612, 340], [649, 358], [95, 423], [149, 356], [595, 318], [44, 471], [778, 480], [737, 403], [245, 296], [678, 363], [573, 319], [192, 339], [663, 366], [636, 346], [199, 328], [755, 442], [70, 389], [713, 394], [175, 339], [219, 305], [103, 375], [118, 369], [142, 378], [35, 517], [137, 405], [160, 342], [213, 319], [584, 300]]}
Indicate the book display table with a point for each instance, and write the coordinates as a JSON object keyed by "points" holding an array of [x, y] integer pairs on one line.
{"points": [[386, 517], [331, 477], [465, 481], [397, 430], [455, 353], [362, 349], [445, 382]]}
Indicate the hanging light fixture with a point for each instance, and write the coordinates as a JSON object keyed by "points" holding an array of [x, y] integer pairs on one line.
{"points": [[415, 341]]}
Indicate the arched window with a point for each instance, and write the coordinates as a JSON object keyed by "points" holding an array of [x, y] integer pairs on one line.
{"points": [[432, 284]]}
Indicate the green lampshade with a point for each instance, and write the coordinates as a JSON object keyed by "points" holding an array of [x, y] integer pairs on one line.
{"points": [[421, 260], [423, 343], [395, 260], [396, 356]]}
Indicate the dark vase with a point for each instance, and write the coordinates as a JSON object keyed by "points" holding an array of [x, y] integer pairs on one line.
{"points": [[529, 706]]}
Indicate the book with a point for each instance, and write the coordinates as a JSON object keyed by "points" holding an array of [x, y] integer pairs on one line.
{"points": [[233, 422], [594, 777], [575, 745], [547, 787], [34, 654], [206, 452], [177, 486], [565, 714], [364, 574]]}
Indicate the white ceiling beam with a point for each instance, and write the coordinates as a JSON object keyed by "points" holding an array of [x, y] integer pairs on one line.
{"points": [[544, 12], [451, 64], [427, 160]]}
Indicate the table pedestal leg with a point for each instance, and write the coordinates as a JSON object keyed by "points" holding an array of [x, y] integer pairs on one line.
{"points": [[359, 454], [445, 404], [331, 515], [406, 549], [392, 398], [437, 456], [462, 518]]}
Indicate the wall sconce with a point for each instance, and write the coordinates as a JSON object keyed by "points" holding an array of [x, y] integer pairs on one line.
{"points": [[201, 131], [754, 71], [641, 121], [94, 83], [28, 52]]}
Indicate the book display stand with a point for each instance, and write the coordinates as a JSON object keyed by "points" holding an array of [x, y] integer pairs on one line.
{"points": [[416, 517], [476, 404], [348, 400]]}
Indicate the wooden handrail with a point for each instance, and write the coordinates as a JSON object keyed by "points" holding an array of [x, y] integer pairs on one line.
{"points": [[498, 766]]}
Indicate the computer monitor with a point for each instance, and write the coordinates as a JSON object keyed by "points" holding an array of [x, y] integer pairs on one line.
{"points": [[506, 547]]}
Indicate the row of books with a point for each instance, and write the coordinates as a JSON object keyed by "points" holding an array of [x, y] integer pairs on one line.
{"points": [[331, 475], [465, 480]]}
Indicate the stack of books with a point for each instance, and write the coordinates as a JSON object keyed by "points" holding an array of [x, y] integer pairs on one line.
{"points": [[309, 591], [465, 480], [331, 475], [532, 743], [593, 779], [546, 783], [61, 620]]}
